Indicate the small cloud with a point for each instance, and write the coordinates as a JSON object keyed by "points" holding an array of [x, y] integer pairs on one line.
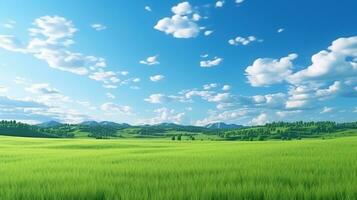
{"points": [[10, 24], [124, 73], [280, 30], [226, 87], [98, 27], [3, 89], [136, 80], [326, 110], [210, 86], [239, 1], [204, 55], [182, 24], [211, 63], [219, 4], [243, 41], [157, 78], [207, 33], [147, 8], [110, 95], [152, 60]]}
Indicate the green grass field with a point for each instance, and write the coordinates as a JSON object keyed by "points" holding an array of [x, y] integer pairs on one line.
{"points": [[163, 169]]}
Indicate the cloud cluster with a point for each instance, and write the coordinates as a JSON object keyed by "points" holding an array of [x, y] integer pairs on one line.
{"points": [[50, 39], [267, 71], [243, 41], [183, 23], [211, 63], [151, 60]]}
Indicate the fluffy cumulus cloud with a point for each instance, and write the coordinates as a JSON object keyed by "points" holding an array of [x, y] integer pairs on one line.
{"points": [[267, 71], [98, 27], [183, 24], [226, 116], [260, 119], [151, 60], [165, 115], [156, 78], [226, 87], [211, 63], [332, 74], [112, 108], [158, 99], [243, 41], [219, 4], [337, 62]]}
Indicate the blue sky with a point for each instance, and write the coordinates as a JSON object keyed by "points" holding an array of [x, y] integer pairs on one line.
{"points": [[190, 62]]}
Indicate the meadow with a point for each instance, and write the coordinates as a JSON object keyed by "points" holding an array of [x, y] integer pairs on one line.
{"points": [[38, 168]]}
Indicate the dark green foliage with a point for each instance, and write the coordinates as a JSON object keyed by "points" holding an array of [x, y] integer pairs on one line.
{"points": [[287, 130], [13, 128]]}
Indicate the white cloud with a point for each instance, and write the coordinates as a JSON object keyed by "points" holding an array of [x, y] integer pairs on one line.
{"points": [[239, 1], [208, 32], [219, 4], [10, 43], [98, 27], [260, 119], [183, 8], [225, 116], [136, 80], [110, 95], [267, 71], [211, 63], [107, 77], [41, 88], [124, 73], [49, 41], [53, 27], [226, 87], [152, 60], [10, 24], [182, 24], [210, 86], [112, 108], [147, 8], [164, 115], [280, 30], [327, 110], [158, 99], [3, 89], [355, 110], [157, 78], [243, 41], [332, 64]]}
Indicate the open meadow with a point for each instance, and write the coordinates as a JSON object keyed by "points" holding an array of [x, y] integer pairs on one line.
{"points": [[34, 168]]}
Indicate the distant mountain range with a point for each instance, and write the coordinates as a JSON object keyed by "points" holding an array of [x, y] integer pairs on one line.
{"points": [[218, 125], [221, 125], [49, 124]]}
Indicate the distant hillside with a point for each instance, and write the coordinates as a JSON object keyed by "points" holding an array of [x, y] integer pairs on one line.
{"points": [[89, 123], [49, 124], [221, 125]]}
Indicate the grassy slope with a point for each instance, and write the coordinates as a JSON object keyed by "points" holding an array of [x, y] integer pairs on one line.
{"points": [[162, 169]]}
